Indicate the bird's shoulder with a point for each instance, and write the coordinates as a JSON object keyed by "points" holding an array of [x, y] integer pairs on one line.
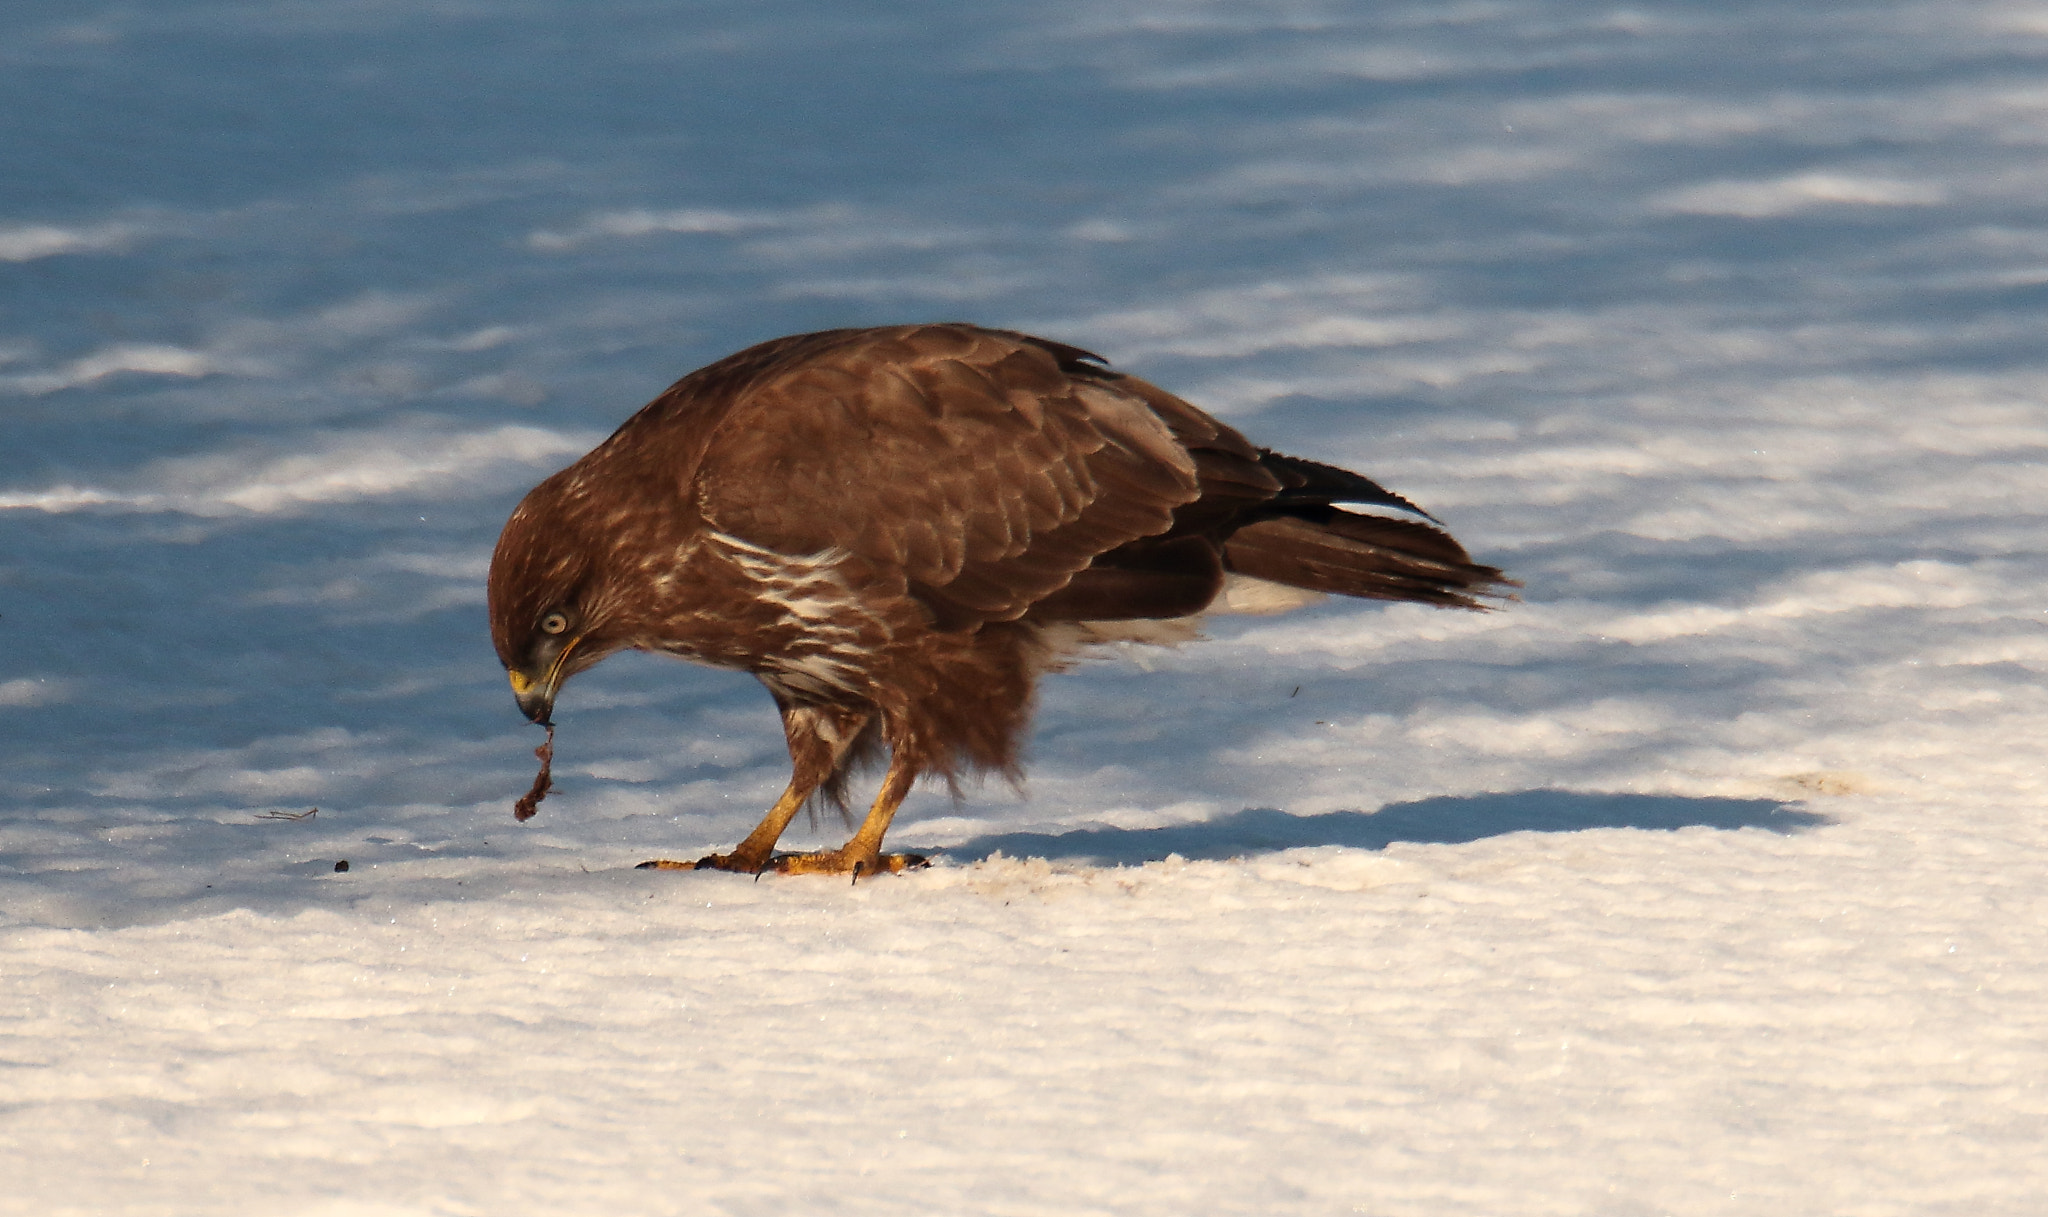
{"points": [[910, 376]]}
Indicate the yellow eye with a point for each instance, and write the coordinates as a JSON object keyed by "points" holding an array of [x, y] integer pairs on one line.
{"points": [[555, 622]]}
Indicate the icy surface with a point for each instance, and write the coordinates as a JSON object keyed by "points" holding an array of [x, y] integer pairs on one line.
{"points": [[1708, 879]]}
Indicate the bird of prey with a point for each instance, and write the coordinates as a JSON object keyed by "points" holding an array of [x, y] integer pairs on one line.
{"points": [[898, 530]]}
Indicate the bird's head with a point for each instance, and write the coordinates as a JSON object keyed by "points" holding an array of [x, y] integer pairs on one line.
{"points": [[547, 602]]}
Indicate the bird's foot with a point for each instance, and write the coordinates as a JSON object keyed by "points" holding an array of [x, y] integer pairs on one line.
{"points": [[735, 862], [859, 864], [846, 861]]}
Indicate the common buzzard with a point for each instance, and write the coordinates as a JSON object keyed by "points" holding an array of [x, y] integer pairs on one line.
{"points": [[898, 530]]}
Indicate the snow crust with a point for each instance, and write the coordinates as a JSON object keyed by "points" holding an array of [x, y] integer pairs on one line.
{"points": [[1707, 879]]}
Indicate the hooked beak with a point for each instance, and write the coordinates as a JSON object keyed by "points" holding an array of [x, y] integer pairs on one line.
{"points": [[536, 698]]}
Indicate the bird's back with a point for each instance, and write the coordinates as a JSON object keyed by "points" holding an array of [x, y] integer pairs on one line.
{"points": [[1007, 476]]}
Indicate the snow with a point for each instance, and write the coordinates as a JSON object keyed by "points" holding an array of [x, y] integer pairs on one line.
{"points": [[1708, 879]]}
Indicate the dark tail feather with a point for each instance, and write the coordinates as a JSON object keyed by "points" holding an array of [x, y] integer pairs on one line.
{"points": [[1311, 483], [1328, 550]]}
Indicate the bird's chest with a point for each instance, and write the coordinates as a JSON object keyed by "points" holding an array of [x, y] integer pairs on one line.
{"points": [[817, 619]]}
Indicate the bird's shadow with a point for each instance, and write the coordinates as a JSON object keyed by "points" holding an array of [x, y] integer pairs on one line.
{"points": [[1450, 819]]}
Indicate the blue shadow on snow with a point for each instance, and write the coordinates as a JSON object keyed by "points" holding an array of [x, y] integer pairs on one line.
{"points": [[1448, 820]]}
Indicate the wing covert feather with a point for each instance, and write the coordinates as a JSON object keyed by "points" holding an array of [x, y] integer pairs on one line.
{"points": [[968, 459]]}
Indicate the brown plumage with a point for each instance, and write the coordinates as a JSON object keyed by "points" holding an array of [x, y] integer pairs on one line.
{"points": [[897, 530]]}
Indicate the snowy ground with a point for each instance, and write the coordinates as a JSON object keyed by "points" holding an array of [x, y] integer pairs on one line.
{"points": [[1712, 878]]}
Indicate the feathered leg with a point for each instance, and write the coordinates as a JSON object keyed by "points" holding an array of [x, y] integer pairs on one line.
{"points": [[820, 739]]}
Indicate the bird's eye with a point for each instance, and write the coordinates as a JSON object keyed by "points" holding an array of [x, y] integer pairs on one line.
{"points": [[555, 622]]}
